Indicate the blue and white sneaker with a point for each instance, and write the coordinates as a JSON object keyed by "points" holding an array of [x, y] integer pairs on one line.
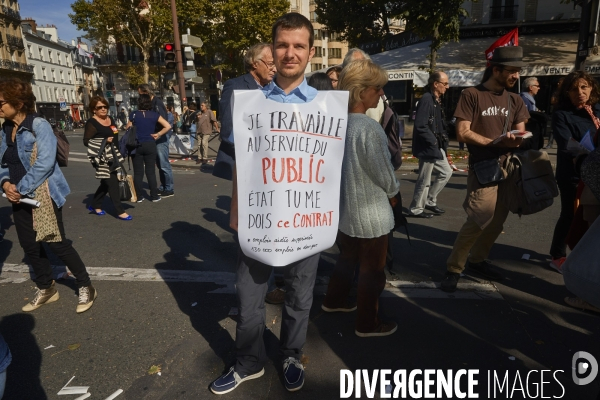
{"points": [[293, 373], [230, 380]]}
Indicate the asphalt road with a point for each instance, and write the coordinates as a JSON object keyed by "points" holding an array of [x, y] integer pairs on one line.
{"points": [[165, 283]]}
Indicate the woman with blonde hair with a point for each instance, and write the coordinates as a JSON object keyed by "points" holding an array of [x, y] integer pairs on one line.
{"points": [[368, 191]]}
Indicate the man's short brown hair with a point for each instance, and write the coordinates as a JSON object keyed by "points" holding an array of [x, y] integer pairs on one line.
{"points": [[292, 21]]}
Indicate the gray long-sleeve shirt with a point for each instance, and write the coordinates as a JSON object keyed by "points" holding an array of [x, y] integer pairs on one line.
{"points": [[368, 180]]}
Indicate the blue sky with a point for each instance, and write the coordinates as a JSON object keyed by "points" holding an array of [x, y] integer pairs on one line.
{"points": [[51, 12]]}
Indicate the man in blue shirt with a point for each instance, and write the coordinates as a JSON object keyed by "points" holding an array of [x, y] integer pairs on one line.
{"points": [[293, 39]]}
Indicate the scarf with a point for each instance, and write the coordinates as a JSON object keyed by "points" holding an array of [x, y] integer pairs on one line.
{"points": [[100, 154], [45, 224]]}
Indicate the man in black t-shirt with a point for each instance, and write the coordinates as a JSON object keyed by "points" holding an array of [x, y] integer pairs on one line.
{"points": [[482, 115]]}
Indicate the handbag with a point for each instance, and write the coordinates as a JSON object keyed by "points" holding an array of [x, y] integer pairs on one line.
{"points": [[490, 171], [126, 186]]}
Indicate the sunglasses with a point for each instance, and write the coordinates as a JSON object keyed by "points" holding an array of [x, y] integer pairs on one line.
{"points": [[102, 107]]}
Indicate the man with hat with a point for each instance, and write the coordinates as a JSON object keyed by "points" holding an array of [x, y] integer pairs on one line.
{"points": [[483, 114]]}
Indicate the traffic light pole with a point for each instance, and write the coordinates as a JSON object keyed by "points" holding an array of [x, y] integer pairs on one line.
{"points": [[178, 58]]}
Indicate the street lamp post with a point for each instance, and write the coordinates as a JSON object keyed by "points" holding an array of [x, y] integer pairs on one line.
{"points": [[178, 58]]}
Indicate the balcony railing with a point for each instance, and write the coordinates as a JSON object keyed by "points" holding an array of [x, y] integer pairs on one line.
{"points": [[11, 13], [16, 66], [504, 13], [125, 59], [15, 42]]}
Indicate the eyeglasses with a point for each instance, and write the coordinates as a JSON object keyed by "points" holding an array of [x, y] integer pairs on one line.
{"points": [[536, 85], [102, 107], [268, 65], [444, 83]]}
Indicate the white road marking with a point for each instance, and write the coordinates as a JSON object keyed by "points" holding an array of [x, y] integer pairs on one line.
{"points": [[77, 153], [19, 273], [79, 160]]}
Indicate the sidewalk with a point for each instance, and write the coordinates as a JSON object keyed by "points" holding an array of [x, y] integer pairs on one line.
{"points": [[178, 161]]}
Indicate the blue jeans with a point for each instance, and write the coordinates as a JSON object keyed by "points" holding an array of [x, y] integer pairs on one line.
{"points": [[165, 172]]}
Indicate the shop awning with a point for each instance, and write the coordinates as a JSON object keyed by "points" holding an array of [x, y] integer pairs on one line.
{"points": [[464, 61]]}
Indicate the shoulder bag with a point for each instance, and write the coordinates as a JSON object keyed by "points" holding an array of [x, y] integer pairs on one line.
{"points": [[490, 171]]}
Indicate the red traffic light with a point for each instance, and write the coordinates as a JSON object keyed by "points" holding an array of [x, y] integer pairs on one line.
{"points": [[169, 47]]}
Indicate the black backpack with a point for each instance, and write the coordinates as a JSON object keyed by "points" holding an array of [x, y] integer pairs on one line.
{"points": [[131, 143], [391, 125]]}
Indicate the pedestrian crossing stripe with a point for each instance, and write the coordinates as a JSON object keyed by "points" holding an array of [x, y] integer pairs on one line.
{"points": [[469, 290]]}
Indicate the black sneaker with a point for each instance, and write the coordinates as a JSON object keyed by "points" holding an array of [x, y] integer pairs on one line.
{"points": [[449, 282], [485, 270], [166, 193]]}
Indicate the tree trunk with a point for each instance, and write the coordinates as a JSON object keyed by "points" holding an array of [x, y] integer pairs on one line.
{"points": [[145, 64], [434, 47]]}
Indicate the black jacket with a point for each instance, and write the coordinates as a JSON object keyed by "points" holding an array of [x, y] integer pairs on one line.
{"points": [[428, 126], [225, 157], [566, 124]]}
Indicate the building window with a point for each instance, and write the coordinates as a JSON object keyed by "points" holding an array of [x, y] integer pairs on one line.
{"points": [[70, 77], [73, 96], [49, 93], [44, 73], [56, 94], [504, 10], [50, 56], [320, 34], [59, 58], [41, 52], [62, 77], [318, 51], [313, 16], [334, 37], [29, 53], [335, 53], [316, 67], [53, 76]]}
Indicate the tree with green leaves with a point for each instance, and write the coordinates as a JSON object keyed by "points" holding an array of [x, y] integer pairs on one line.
{"points": [[439, 19], [358, 21], [140, 23], [229, 27]]}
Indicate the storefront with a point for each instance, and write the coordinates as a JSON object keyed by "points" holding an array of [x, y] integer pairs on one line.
{"points": [[549, 54]]}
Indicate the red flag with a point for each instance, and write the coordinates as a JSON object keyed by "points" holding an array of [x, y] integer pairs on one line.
{"points": [[510, 39]]}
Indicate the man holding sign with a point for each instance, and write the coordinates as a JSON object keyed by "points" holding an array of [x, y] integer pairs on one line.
{"points": [[289, 147]]}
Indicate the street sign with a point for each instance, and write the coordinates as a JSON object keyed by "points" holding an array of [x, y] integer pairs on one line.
{"points": [[193, 41], [188, 53], [197, 79], [190, 74], [62, 103], [118, 97]]}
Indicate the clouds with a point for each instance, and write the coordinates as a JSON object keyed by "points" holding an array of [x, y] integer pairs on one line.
{"points": [[53, 12]]}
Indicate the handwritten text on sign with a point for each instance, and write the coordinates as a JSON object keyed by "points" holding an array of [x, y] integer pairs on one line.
{"points": [[289, 161]]}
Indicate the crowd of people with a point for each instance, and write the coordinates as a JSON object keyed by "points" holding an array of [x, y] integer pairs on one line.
{"points": [[369, 201]]}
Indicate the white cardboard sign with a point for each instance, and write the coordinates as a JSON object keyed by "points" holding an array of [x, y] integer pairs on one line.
{"points": [[289, 165]]}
